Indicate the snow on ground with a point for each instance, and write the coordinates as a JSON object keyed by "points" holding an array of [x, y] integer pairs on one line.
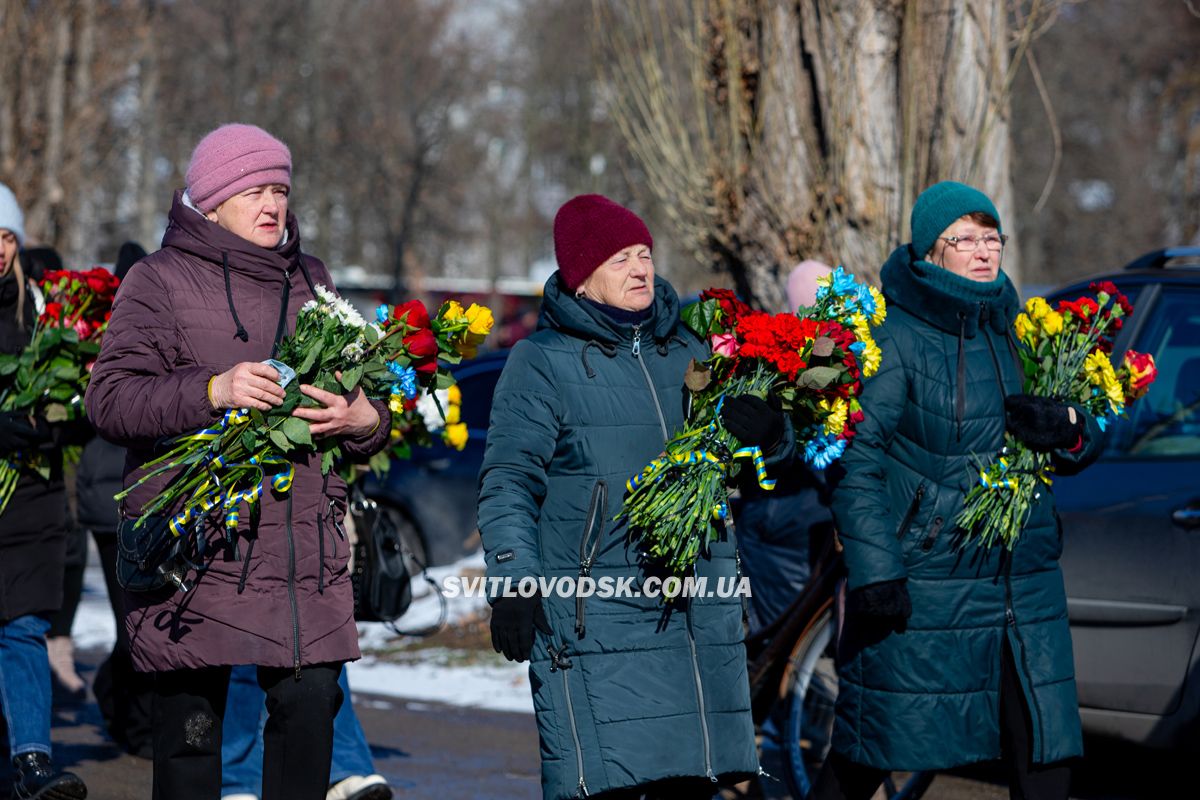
{"points": [[437, 674]]}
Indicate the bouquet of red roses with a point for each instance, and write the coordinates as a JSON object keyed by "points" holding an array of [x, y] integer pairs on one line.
{"points": [[48, 378], [812, 361], [1065, 352]]}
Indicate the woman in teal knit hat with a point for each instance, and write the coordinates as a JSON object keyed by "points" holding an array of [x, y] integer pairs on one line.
{"points": [[950, 653]]}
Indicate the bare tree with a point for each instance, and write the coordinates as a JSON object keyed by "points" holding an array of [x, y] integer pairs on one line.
{"points": [[774, 131]]}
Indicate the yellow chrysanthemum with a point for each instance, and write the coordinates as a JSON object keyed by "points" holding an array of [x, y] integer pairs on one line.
{"points": [[862, 328], [1025, 328], [872, 358], [1052, 323], [454, 395], [394, 434], [838, 411], [1100, 373], [453, 414], [456, 435], [396, 403], [452, 311], [880, 306], [479, 319], [1037, 307]]}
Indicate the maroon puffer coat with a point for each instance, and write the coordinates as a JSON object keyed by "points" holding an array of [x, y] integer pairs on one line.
{"points": [[203, 303]]}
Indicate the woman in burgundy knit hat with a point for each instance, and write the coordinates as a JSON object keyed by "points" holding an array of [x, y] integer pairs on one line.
{"points": [[633, 697], [191, 328]]}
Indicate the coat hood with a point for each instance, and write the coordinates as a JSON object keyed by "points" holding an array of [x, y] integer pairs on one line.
{"points": [[562, 311], [947, 301]]}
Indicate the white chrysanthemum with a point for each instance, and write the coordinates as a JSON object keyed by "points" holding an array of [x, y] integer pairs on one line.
{"points": [[353, 352], [324, 295], [429, 410], [349, 314], [311, 305]]}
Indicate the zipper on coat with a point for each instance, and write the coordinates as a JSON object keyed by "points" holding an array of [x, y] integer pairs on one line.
{"points": [[1010, 621], [560, 663], [708, 770], [637, 353], [597, 511], [909, 515], [292, 589]]}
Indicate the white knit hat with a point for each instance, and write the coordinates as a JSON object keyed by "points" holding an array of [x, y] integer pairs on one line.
{"points": [[11, 217]]}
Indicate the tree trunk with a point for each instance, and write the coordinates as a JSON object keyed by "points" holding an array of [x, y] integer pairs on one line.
{"points": [[811, 126]]}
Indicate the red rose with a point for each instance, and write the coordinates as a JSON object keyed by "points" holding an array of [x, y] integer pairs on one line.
{"points": [[422, 347], [53, 312], [417, 317], [731, 306]]}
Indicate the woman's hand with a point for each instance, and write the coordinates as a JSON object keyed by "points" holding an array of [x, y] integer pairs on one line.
{"points": [[250, 384], [340, 414]]}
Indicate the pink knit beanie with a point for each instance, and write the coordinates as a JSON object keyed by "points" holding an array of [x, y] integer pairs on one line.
{"points": [[588, 230], [232, 159]]}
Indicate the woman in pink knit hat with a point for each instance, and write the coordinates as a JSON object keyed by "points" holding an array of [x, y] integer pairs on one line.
{"points": [[192, 327]]}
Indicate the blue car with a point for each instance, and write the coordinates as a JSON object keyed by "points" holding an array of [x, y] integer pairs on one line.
{"points": [[430, 498], [1131, 525]]}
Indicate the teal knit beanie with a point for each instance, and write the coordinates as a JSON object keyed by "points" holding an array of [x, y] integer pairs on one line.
{"points": [[939, 205]]}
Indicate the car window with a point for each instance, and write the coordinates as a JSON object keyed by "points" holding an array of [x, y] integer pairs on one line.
{"points": [[1166, 422], [477, 390]]}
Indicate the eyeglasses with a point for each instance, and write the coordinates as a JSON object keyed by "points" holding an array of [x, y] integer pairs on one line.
{"points": [[967, 244]]}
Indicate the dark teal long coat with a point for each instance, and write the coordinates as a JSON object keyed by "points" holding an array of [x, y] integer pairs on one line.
{"points": [[928, 697], [634, 693]]}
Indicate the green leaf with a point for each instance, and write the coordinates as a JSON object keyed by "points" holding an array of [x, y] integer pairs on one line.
{"points": [[701, 316], [351, 377], [280, 441], [249, 440], [818, 377], [327, 462], [371, 335], [297, 430]]}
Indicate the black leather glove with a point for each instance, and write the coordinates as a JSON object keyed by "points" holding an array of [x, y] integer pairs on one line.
{"points": [[753, 421], [1042, 423], [886, 600], [17, 434], [513, 621]]}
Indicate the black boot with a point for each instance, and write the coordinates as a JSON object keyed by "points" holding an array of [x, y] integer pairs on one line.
{"points": [[36, 778]]}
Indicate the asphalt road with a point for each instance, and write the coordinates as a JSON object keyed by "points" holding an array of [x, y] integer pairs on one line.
{"points": [[429, 750]]}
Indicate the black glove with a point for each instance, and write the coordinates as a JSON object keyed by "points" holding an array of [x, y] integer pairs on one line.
{"points": [[17, 434], [513, 621], [753, 421], [886, 600], [1042, 423]]}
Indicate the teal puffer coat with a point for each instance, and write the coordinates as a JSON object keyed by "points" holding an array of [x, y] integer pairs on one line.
{"points": [[625, 690], [928, 697]]}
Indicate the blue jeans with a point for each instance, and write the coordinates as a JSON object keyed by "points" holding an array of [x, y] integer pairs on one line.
{"points": [[25, 684], [242, 744]]}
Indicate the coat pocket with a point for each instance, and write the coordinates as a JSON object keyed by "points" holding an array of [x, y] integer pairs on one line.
{"points": [[595, 518], [907, 520]]}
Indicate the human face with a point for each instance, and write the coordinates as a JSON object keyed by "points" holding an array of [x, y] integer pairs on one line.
{"points": [[625, 280], [257, 215], [980, 264], [8, 250]]}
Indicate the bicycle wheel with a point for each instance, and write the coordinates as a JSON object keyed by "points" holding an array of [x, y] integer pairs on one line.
{"points": [[808, 712]]}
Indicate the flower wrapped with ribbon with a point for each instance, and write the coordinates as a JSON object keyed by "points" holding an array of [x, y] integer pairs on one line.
{"points": [[225, 468], [48, 377], [1065, 354], [812, 361]]}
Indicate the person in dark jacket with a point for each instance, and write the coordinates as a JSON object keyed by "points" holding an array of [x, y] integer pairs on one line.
{"points": [[33, 530], [631, 696], [190, 329], [951, 653], [123, 694]]}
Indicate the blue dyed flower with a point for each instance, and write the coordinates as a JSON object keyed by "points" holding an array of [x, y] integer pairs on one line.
{"points": [[406, 383], [843, 283], [381, 314], [858, 347], [823, 450], [1102, 422], [866, 300]]}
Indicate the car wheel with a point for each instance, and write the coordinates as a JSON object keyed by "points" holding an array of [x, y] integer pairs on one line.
{"points": [[415, 557]]}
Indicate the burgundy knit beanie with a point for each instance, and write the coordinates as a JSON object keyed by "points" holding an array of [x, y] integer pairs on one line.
{"points": [[588, 230], [232, 159]]}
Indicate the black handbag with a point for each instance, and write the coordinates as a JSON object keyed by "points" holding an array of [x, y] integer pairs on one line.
{"points": [[150, 557], [382, 577]]}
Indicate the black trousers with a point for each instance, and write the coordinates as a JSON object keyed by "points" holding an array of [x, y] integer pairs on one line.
{"points": [[189, 706], [842, 779]]}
